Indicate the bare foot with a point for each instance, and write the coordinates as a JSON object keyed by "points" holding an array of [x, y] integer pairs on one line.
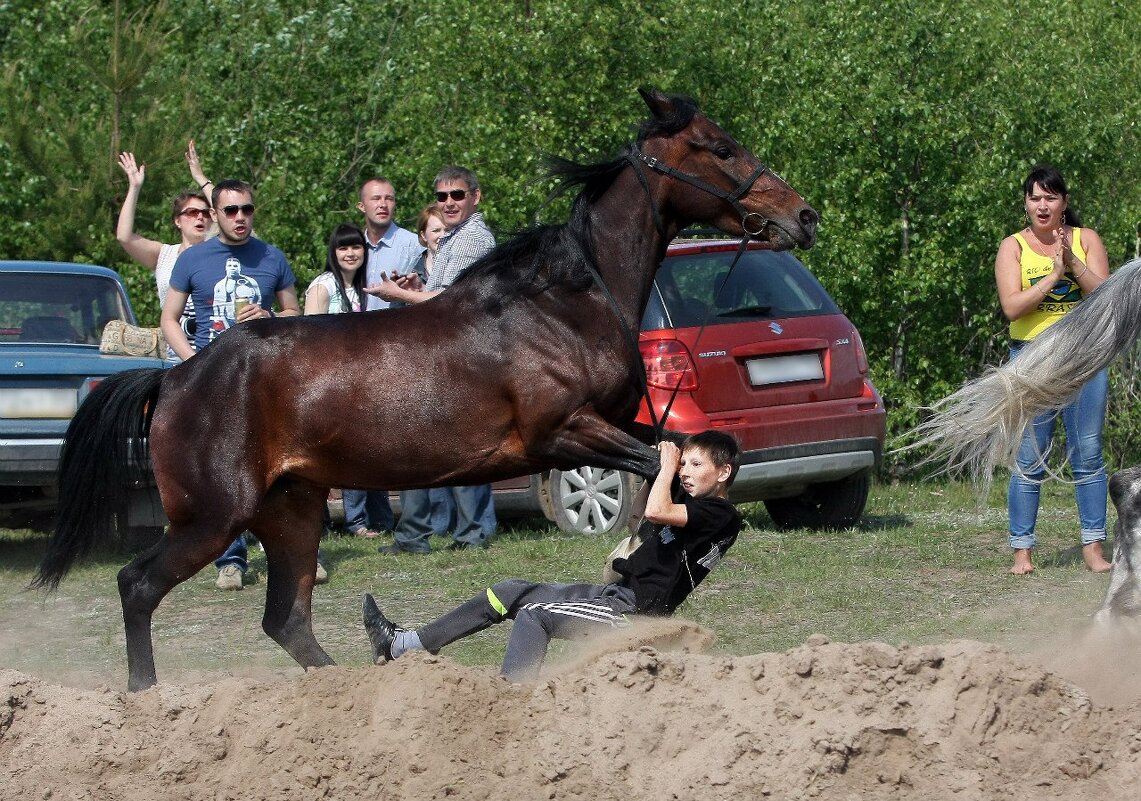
{"points": [[1022, 564], [1094, 558]]}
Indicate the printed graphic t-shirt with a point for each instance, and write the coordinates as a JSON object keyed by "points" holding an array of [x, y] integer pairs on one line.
{"points": [[216, 275]]}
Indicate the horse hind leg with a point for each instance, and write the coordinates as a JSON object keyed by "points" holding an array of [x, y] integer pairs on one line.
{"points": [[146, 580], [289, 527]]}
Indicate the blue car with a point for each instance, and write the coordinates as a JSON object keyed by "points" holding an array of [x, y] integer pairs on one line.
{"points": [[52, 316]]}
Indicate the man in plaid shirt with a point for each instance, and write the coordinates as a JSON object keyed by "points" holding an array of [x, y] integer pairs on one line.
{"points": [[467, 240]]}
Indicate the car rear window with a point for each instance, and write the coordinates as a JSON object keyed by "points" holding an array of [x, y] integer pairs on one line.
{"points": [[691, 290], [58, 308]]}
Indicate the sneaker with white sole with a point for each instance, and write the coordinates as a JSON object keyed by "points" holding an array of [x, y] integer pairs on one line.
{"points": [[229, 578], [322, 575]]}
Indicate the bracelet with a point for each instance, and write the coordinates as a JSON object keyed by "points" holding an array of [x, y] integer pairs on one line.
{"points": [[1083, 272], [1045, 292], [205, 184]]}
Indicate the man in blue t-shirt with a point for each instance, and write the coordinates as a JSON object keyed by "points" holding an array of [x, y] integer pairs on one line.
{"points": [[232, 277]]}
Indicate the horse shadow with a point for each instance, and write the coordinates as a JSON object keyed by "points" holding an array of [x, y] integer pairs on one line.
{"points": [[754, 516]]}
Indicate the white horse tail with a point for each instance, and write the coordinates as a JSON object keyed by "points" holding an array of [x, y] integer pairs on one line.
{"points": [[980, 426]]}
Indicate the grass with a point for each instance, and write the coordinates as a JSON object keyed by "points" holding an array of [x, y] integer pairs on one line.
{"points": [[926, 565]]}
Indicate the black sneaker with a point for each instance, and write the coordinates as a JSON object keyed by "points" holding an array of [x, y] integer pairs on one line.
{"points": [[381, 631], [467, 546], [395, 549]]}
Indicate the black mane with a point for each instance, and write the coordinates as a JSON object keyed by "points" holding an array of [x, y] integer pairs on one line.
{"points": [[545, 256]]}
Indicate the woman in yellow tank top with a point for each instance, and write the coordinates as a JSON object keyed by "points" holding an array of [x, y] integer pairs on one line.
{"points": [[1042, 272]]}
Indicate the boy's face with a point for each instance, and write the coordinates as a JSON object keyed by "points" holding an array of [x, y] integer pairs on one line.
{"points": [[700, 477]]}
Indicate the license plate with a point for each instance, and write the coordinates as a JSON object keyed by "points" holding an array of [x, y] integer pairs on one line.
{"points": [[57, 404], [782, 369]]}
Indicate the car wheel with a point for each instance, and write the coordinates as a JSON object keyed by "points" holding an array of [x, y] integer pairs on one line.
{"points": [[588, 500], [835, 504]]}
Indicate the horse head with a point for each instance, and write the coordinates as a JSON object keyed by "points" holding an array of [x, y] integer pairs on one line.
{"points": [[714, 179]]}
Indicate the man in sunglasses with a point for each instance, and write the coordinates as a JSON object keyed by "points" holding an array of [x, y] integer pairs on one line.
{"points": [[237, 277], [467, 240]]}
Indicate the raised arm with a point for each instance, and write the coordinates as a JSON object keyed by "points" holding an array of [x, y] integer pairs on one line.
{"points": [[660, 506], [144, 251], [200, 179]]}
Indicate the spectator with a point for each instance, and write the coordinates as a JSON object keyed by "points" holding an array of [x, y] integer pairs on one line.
{"points": [[696, 533], [339, 290], [237, 277], [429, 229], [466, 240], [392, 251], [190, 215], [1042, 273]]}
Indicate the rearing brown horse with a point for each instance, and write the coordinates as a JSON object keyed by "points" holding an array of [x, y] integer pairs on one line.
{"points": [[526, 363]]}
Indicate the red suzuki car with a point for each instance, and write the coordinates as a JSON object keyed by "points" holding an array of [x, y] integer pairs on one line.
{"points": [[763, 353]]}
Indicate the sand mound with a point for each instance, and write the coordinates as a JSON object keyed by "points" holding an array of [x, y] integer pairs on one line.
{"points": [[826, 720]]}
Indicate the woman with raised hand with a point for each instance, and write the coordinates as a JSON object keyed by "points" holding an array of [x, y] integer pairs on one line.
{"points": [[190, 215]]}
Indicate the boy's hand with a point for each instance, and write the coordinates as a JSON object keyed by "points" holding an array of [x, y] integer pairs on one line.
{"points": [[670, 456]]}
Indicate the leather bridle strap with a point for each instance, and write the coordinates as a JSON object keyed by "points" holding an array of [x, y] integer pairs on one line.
{"points": [[752, 223]]}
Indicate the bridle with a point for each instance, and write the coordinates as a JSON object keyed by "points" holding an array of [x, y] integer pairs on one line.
{"points": [[752, 223], [637, 157]]}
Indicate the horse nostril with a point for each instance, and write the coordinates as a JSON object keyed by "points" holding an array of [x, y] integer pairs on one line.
{"points": [[809, 218]]}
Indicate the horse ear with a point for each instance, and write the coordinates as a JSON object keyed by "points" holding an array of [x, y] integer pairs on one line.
{"points": [[660, 104]]}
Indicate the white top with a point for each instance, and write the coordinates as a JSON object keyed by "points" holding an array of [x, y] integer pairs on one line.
{"points": [[336, 305]]}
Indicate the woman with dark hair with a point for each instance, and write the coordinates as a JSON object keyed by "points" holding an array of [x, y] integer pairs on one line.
{"points": [[1042, 273], [339, 290], [341, 287], [190, 215]]}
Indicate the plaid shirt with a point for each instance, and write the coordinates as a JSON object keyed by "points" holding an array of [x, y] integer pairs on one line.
{"points": [[459, 249]]}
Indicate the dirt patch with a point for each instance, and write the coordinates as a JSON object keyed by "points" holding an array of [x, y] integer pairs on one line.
{"points": [[627, 720]]}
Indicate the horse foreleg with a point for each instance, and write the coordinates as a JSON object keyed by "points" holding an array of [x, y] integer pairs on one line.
{"points": [[289, 527], [587, 439]]}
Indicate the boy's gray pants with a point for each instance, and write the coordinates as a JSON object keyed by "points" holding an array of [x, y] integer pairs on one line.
{"points": [[540, 611]]}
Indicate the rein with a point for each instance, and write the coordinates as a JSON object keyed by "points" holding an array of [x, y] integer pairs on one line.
{"points": [[734, 199]]}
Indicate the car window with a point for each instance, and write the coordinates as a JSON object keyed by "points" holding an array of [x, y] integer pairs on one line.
{"points": [[58, 308], [694, 289]]}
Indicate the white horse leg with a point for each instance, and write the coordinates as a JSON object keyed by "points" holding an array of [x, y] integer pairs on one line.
{"points": [[1123, 596]]}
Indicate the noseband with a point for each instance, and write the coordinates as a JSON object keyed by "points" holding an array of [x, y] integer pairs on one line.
{"points": [[752, 223]]}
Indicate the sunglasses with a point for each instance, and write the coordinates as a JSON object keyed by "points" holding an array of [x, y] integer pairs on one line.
{"points": [[192, 211], [232, 211], [455, 194]]}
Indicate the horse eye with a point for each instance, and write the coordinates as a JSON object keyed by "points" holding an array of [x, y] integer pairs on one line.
{"points": [[723, 152]]}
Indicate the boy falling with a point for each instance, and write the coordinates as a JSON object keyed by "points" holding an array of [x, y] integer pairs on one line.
{"points": [[695, 533]]}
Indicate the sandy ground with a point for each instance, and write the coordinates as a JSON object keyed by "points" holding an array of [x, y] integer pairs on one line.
{"points": [[645, 715]]}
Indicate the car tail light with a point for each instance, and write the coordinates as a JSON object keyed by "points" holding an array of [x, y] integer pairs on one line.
{"points": [[87, 387], [668, 365], [861, 356]]}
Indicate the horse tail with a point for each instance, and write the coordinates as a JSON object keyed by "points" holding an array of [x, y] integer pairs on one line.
{"points": [[103, 450], [980, 426]]}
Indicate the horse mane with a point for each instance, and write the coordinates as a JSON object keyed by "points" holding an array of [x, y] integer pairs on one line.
{"points": [[539, 258], [545, 256]]}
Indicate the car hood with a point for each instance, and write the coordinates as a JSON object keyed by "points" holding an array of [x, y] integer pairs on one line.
{"points": [[26, 359]]}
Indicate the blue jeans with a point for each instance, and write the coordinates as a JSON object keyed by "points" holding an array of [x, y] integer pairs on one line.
{"points": [[1083, 420], [235, 555], [475, 517], [238, 553], [367, 509]]}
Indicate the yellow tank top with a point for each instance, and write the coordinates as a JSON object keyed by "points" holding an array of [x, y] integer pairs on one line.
{"points": [[1059, 302]]}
